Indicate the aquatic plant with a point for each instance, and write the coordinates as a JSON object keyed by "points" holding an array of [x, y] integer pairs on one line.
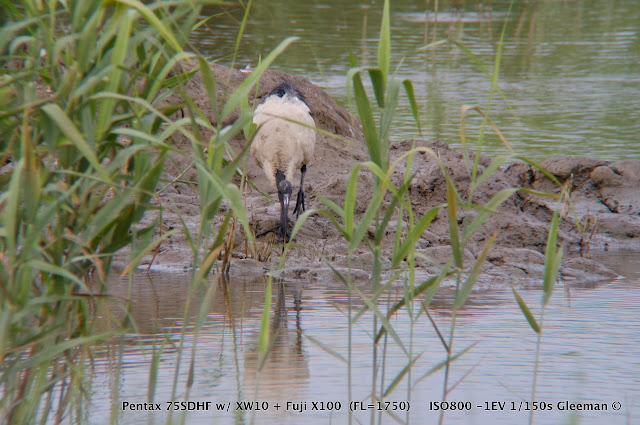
{"points": [[82, 153], [86, 136], [408, 227], [85, 130]]}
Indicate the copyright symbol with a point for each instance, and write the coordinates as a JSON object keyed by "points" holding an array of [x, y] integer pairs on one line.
{"points": [[616, 405]]}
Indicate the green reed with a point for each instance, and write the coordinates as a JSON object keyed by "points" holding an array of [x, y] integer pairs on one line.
{"points": [[85, 140], [82, 153], [85, 130], [417, 295]]}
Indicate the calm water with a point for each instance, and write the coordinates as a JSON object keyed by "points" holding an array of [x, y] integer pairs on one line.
{"points": [[571, 74], [590, 353], [570, 70]]}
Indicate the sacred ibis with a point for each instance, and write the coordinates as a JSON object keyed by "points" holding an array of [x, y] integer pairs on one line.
{"points": [[284, 142]]}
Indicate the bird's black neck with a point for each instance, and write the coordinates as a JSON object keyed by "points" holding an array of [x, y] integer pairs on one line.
{"points": [[279, 177]]}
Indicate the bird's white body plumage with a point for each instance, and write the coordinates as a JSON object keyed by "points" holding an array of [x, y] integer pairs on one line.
{"points": [[285, 138]]}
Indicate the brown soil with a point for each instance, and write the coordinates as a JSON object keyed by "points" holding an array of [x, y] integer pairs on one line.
{"points": [[604, 196]]}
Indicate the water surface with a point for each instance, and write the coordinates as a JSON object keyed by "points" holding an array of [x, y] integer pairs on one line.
{"points": [[570, 71], [590, 353], [570, 74]]}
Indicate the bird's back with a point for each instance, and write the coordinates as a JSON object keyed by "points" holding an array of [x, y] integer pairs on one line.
{"points": [[285, 138]]}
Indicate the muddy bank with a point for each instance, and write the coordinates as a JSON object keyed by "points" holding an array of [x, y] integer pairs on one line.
{"points": [[604, 198]]}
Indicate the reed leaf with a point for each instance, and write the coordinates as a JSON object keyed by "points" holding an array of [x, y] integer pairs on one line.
{"points": [[374, 147], [326, 349], [525, 310], [412, 237], [390, 210], [456, 246], [146, 249], [118, 55], [248, 84], [496, 163], [463, 293], [379, 85], [432, 283], [444, 363], [371, 305], [496, 130], [210, 85], [415, 111], [552, 260], [476, 60], [71, 131], [388, 112], [300, 221], [487, 210], [350, 200], [400, 376], [52, 269], [384, 43], [45, 355], [155, 22], [10, 212], [365, 221]]}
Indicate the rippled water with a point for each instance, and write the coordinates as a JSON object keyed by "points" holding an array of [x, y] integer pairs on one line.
{"points": [[569, 71], [590, 353], [570, 74]]}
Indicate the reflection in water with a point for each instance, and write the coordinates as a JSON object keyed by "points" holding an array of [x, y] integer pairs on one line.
{"points": [[286, 362], [590, 353]]}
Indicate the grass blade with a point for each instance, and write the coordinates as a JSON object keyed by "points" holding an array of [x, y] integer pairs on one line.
{"points": [[326, 349], [443, 363], [368, 123], [248, 84], [487, 210], [71, 131], [413, 236], [525, 310], [552, 260], [463, 293], [456, 247], [384, 43], [408, 87], [401, 375]]}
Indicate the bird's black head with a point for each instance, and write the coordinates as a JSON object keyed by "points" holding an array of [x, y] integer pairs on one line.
{"points": [[287, 88]]}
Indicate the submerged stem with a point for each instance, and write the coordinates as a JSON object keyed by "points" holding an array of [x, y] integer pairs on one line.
{"points": [[535, 367]]}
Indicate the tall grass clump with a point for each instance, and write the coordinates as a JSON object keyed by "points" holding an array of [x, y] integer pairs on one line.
{"points": [[85, 127], [83, 146]]}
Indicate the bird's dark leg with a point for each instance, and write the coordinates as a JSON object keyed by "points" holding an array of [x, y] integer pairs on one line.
{"points": [[284, 194], [300, 202], [281, 230]]}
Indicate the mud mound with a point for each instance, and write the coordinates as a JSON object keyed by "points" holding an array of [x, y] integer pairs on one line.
{"points": [[606, 191]]}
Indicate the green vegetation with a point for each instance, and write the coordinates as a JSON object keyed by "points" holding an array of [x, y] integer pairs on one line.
{"points": [[417, 295], [82, 152], [84, 143]]}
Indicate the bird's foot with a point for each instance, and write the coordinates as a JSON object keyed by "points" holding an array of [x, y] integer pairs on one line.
{"points": [[299, 204], [280, 231]]}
